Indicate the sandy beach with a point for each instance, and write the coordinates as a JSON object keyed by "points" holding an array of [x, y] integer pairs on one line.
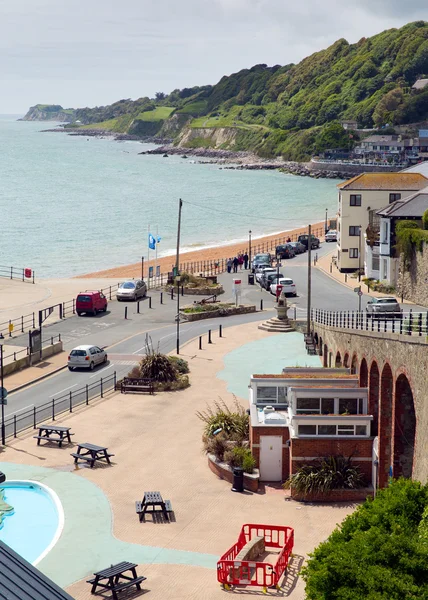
{"points": [[266, 243]]}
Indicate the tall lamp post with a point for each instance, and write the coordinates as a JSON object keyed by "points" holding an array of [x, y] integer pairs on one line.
{"points": [[359, 254], [178, 279], [326, 226], [249, 248]]}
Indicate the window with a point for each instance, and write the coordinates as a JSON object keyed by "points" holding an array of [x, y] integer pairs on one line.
{"points": [[353, 252], [360, 430], [348, 406], [354, 230], [308, 406], [271, 394], [282, 395], [326, 429], [375, 263], [394, 197], [355, 200], [307, 429], [345, 430], [327, 406]]}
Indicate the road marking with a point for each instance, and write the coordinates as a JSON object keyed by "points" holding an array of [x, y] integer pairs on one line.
{"points": [[64, 390], [98, 372], [21, 409]]}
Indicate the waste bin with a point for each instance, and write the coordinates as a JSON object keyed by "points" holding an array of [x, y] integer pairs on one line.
{"points": [[250, 279], [2, 477], [238, 479]]}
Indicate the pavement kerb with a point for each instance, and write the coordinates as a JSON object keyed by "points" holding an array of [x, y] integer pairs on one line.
{"points": [[33, 381]]}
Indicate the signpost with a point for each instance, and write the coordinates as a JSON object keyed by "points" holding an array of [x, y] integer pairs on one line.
{"points": [[236, 290], [360, 293]]}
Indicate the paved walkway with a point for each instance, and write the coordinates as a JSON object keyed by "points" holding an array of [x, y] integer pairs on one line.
{"points": [[32, 374], [157, 445]]}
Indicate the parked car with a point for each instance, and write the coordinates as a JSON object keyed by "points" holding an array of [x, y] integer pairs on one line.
{"points": [[287, 286], [270, 278], [262, 271], [132, 290], [91, 302], [259, 259], [86, 357], [331, 236], [285, 251], [299, 248], [303, 239], [384, 308]]}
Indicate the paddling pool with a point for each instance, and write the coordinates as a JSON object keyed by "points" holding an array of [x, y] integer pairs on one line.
{"points": [[36, 523]]}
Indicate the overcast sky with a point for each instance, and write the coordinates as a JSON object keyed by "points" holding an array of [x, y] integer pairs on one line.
{"points": [[92, 52]]}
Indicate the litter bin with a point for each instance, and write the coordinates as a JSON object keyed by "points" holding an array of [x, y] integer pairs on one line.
{"points": [[238, 479], [2, 477], [250, 279]]}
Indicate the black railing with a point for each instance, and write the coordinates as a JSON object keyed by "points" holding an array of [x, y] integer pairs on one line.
{"points": [[404, 323], [16, 273], [51, 409], [17, 354]]}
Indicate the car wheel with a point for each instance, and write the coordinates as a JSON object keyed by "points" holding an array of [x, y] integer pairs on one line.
{"points": [[105, 359], [71, 368], [79, 314], [91, 366], [295, 294]]}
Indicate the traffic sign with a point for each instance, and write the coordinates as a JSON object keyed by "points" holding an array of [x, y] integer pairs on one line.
{"points": [[360, 293], [3, 395]]}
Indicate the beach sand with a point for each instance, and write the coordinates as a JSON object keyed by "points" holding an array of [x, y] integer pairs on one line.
{"points": [[166, 263]]}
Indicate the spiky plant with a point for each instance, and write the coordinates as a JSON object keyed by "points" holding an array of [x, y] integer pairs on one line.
{"points": [[329, 473], [157, 366]]}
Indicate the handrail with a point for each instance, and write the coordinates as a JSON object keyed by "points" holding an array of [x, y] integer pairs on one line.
{"points": [[17, 273]]}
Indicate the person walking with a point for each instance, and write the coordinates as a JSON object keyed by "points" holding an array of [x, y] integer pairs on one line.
{"points": [[245, 260], [235, 264], [229, 265], [240, 261]]}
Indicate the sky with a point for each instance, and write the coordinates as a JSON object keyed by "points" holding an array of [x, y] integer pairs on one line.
{"points": [[93, 52]]}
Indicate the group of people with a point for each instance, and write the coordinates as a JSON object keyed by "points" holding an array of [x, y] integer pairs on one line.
{"points": [[239, 261]]}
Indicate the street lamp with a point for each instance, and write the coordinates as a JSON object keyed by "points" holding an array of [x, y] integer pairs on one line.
{"points": [[326, 226], [178, 279], [249, 248]]}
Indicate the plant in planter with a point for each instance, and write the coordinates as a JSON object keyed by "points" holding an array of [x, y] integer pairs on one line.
{"points": [[326, 474], [240, 457], [234, 422]]}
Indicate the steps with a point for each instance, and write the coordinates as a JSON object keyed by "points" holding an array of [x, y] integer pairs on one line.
{"points": [[277, 325]]}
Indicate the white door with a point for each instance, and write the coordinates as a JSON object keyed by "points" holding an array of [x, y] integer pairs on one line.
{"points": [[271, 458]]}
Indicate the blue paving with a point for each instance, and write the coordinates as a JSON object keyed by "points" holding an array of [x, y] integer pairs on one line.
{"points": [[268, 355]]}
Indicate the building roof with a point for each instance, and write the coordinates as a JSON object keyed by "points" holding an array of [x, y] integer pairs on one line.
{"points": [[413, 206], [420, 84], [386, 181], [306, 375], [421, 168], [380, 139], [21, 581]]}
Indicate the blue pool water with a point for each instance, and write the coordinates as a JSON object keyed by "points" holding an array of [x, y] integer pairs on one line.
{"points": [[32, 526]]}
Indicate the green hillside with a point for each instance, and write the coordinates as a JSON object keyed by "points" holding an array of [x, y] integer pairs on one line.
{"points": [[293, 110]]}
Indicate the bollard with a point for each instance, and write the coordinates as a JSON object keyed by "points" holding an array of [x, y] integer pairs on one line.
{"points": [[200, 342], [138, 307], [150, 302], [126, 312], [261, 304], [182, 290], [172, 293], [331, 268], [161, 297], [295, 314], [209, 336], [220, 331], [346, 277]]}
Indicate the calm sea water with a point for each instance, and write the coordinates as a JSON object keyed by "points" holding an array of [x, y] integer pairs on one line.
{"points": [[72, 205]]}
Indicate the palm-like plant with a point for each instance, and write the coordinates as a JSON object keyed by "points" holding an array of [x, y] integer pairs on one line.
{"points": [[157, 366], [329, 473]]}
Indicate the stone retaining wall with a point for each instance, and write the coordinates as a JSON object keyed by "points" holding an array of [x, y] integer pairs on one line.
{"points": [[413, 281], [221, 312], [334, 496]]}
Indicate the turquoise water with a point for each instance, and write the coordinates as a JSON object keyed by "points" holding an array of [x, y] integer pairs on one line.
{"points": [[72, 205], [278, 351], [31, 527]]}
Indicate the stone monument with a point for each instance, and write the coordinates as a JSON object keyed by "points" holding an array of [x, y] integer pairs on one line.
{"points": [[279, 323]]}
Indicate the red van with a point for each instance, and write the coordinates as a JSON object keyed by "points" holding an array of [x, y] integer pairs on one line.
{"points": [[90, 302]]}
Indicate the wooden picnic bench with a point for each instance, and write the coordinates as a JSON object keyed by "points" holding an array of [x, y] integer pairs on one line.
{"points": [[92, 454], [136, 384], [154, 501], [53, 433], [113, 578]]}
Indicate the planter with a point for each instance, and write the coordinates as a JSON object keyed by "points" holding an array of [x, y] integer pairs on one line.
{"points": [[358, 495], [223, 471], [221, 312]]}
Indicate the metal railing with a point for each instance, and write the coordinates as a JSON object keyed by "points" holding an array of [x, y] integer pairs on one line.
{"points": [[17, 273], [51, 409], [403, 323], [17, 354]]}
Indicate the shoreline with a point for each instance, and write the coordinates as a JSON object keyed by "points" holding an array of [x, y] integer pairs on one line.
{"points": [[227, 250]]}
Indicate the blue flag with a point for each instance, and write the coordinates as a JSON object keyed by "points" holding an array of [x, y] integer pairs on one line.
{"points": [[159, 239], [152, 242]]}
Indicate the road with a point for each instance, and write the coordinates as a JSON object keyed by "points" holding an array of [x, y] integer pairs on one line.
{"points": [[125, 339]]}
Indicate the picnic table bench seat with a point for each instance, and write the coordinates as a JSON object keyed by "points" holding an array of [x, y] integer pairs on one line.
{"points": [[114, 579], [136, 384]]}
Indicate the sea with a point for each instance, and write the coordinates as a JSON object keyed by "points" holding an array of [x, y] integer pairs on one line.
{"points": [[71, 204]]}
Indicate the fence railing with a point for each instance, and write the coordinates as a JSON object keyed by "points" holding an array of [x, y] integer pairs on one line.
{"points": [[17, 273], [404, 323], [60, 404], [17, 354]]}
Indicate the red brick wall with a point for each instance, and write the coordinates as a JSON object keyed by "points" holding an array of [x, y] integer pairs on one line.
{"points": [[335, 496], [385, 425], [257, 432]]}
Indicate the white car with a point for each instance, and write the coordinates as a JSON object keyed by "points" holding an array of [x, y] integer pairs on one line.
{"points": [[331, 236], [86, 357], [288, 287], [262, 271]]}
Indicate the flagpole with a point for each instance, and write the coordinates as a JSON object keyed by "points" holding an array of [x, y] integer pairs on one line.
{"points": [[148, 256], [156, 255]]}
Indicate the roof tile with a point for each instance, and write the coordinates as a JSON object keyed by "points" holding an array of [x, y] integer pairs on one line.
{"points": [[385, 181]]}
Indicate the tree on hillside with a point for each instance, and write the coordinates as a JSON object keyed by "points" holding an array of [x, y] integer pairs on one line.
{"points": [[378, 553], [388, 106], [160, 96], [332, 135]]}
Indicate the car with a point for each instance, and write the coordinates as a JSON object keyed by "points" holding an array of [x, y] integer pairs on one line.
{"points": [[90, 302], [331, 236], [265, 259], [299, 248], [86, 357], [270, 278], [260, 272], [384, 308], [285, 251], [303, 239], [285, 285], [131, 290]]}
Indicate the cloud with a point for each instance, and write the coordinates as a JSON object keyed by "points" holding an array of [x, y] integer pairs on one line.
{"points": [[93, 51]]}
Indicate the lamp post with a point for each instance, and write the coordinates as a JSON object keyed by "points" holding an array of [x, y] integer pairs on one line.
{"points": [[326, 226], [178, 279], [3, 429], [359, 254], [249, 248]]}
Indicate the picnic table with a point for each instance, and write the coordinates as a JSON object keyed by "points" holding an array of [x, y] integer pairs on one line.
{"points": [[59, 434], [92, 454], [154, 501], [114, 579]]}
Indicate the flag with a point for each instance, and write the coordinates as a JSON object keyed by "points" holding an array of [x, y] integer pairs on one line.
{"points": [[158, 239], [152, 242]]}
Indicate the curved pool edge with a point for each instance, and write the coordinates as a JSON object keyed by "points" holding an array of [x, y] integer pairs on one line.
{"points": [[58, 505]]}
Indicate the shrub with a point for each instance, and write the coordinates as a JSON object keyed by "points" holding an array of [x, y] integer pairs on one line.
{"points": [[180, 364], [329, 473], [217, 445], [181, 383], [240, 457], [233, 422], [158, 367]]}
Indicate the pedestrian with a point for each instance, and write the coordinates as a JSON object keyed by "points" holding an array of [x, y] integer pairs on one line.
{"points": [[245, 260], [229, 265], [288, 239], [235, 264], [240, 261]]}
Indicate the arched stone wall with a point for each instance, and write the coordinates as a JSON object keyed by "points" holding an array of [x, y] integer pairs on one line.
{"points": [[346, 360], [374, 390], [364, 374], [404, 428], [354, 364], [385, 425], [338, 361]]}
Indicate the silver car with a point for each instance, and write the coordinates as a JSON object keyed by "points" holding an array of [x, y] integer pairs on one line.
{"points": [[86, 357], [384, 308], [132, 290]]}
